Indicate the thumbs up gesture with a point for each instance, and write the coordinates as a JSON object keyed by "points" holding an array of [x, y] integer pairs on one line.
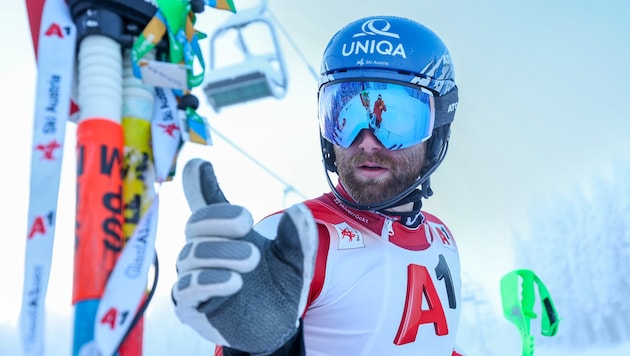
{"points": [[236, 287]]}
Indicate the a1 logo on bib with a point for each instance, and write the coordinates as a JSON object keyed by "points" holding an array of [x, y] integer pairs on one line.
{"points": [[349, 237]]}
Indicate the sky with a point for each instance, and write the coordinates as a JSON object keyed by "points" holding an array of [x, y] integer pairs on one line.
{"points": [[542, 87]]}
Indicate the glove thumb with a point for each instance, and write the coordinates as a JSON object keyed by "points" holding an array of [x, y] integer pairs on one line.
{"points": [[200, 184]]}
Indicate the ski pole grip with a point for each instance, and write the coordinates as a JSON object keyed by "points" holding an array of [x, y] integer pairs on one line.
{"points": [[120, 20]]}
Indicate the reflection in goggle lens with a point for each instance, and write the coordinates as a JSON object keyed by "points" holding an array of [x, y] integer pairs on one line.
{"points": [[400, 116]]}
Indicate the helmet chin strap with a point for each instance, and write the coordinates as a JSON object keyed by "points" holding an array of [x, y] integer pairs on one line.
{"points": [[425, 188]]}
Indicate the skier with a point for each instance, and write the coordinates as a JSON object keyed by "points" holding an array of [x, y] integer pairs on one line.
{"points": [[361, 270], [379, 107]]}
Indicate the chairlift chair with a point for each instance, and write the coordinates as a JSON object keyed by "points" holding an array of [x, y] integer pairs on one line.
{"points": [[258, 76]]}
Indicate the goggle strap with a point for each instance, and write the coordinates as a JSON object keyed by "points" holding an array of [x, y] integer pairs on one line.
{"points": [[445, 107]]}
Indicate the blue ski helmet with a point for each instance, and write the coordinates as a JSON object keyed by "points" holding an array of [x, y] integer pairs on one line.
{"points": [[381, 51]]}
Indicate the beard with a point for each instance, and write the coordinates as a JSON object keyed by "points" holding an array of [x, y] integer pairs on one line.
{"points": [[404, 165]]}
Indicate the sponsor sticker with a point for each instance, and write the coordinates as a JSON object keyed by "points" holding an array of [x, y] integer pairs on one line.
{"points": [[349, 237]]}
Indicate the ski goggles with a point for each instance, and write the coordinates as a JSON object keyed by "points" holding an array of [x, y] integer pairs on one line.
{"points": [[399, 116]]}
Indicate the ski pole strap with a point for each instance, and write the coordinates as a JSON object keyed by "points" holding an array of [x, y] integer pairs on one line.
{"points": [[221, 4], [194, 127], [520, 310], [174, 19], [197, 128]]}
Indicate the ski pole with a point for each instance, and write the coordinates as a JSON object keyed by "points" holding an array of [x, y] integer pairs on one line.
{"points": [[102, 29], [519, 309], [119, 322], [105, 28], [119, 315]]}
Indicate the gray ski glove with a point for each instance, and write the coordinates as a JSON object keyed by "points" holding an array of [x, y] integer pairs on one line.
{"points": [[236, 287]]}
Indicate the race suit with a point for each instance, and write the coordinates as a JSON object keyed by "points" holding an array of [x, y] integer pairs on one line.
{"points": [[380, 287]]}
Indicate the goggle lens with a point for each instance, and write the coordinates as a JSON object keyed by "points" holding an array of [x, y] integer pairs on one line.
{"points": [[399, 116]]}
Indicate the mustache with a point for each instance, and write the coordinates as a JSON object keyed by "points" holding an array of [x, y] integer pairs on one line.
{"points": [[378, 159]]}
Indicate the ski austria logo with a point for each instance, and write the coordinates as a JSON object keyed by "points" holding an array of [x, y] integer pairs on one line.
{"points": [[365, 42], [348, 237]]}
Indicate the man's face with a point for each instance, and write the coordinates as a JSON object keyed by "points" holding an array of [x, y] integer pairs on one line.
{"points": [[371, 173]]}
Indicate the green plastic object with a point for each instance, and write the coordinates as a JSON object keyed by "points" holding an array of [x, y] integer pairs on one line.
{"points": [[518, 308]]}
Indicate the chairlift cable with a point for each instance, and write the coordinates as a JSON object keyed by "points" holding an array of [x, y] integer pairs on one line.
{"points": [[295, 47], [288, 187]]}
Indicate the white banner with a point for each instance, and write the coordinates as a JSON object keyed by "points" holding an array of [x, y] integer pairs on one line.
{"points": [[166, 133], [126, 285], [55, 65]]}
